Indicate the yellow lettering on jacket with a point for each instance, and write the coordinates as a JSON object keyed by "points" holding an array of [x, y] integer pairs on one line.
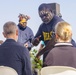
{"points": [[47, 35]]}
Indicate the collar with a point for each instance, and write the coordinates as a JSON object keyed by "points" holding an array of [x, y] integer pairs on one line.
{"points": [[21, 28], [67, 43], [9, 39]]}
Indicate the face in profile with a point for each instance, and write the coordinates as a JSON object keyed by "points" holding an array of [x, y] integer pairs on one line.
{"points": [[46, 15]]}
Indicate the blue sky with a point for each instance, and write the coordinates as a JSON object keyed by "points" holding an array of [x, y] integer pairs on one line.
{"points": [[10, 9]]}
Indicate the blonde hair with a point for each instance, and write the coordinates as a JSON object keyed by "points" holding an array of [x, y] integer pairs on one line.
{"points": [[64, 31]]}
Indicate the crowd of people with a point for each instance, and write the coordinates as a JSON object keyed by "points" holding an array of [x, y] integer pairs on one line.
{"points": [[58, 47]]}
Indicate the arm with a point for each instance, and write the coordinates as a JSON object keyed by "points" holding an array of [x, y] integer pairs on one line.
{"points": [[42, 45], [30, 40], [30, 37], [38, 37], [26, 63], [48, 47]]}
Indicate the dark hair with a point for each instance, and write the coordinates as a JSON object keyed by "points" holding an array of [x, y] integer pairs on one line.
{"points": [[44, 6]]}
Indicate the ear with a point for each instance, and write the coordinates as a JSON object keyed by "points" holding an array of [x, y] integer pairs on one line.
{"points": [[71, 34], [4, 34], [56, 36], [17, 32]]}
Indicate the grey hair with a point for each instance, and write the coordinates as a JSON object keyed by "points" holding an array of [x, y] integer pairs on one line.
{"points": [[9, 27]]}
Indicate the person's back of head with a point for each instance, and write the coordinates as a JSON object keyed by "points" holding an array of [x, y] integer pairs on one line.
{"points": [[63, 32], [10, 30]]}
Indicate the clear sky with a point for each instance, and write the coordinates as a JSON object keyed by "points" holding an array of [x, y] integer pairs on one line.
{"points": [[10, 9]]}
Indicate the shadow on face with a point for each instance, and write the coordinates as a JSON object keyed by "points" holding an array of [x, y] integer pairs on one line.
{"points": [[46, 15]]}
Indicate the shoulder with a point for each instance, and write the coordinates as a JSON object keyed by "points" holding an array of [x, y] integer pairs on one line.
{"points": [[17, 46], [42, 25], [28, 28], [54, 50], [14, 46], [20, 48], [57, 19]]}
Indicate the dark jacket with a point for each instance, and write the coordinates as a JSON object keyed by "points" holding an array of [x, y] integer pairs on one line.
{"points": [[61, 55], [16, 56], [46, 30]]}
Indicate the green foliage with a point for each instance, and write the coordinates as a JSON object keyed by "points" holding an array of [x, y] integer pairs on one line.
{"points": [[36, 63]]}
